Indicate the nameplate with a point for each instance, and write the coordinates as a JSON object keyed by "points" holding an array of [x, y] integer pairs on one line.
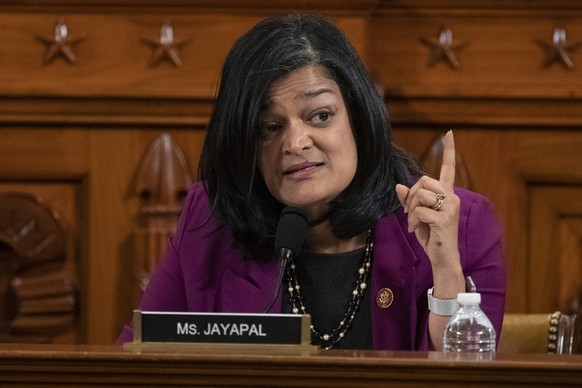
{"points": [[221, 328]]}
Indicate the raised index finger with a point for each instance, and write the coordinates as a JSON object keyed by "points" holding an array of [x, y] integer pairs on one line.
{"points": [[447, 176]]}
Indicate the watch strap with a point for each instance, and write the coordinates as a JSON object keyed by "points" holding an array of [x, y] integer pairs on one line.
{"points": [[445, 307]]}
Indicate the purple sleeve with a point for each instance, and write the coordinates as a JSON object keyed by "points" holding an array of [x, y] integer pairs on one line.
{"points": [[484, 261], [482, 258]]}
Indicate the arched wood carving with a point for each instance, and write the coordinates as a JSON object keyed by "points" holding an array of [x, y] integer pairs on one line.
{"points": [[432, 160], [163, 180], [38, 301]]}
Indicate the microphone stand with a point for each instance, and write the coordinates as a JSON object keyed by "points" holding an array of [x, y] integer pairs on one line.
{"points": [[285, 254]]}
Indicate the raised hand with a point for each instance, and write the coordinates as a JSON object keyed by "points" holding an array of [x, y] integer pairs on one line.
{"points": [[433, 211], [433, 215]]}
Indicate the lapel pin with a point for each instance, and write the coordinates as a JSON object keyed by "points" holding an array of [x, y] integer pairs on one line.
{"points": [[384, 298]]}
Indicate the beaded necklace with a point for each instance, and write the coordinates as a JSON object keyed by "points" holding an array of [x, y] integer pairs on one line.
{"points": [[345, 323]]}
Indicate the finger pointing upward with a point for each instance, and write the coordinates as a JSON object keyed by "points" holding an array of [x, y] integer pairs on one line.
{"points": [[447, 177]]}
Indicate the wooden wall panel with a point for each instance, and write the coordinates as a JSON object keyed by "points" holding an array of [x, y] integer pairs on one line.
{"points": [[34, 153], [554, 275], [502, 59], [112, 60], [112, 81], [501, 81]]}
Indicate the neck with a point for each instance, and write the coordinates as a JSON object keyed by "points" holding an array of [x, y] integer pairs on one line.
{"points": [[321, 239]]}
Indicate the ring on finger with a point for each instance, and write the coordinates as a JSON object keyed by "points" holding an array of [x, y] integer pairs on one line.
{"points": [[439, 202]]}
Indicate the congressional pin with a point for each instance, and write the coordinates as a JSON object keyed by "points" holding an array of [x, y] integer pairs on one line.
{"points": [[384, 298]]}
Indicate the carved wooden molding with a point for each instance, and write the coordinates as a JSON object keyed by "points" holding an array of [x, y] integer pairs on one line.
{"points": [[412, 110], [40, 300], [559, 49], [166, 46], [163, 180], [169, 112], [444, 48], [61, 43], [163, 177]]}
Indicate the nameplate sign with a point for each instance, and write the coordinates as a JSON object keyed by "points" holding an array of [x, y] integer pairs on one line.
{"points": [[221, 328]]}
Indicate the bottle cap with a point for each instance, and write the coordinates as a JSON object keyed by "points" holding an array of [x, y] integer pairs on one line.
{"points": [[469, 297]]}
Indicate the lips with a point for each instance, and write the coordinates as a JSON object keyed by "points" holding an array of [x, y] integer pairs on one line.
{"points": [[301, 167]]}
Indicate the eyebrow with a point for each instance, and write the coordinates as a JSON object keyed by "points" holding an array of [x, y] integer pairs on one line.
{"points": [[304, 96], [312, 94]]}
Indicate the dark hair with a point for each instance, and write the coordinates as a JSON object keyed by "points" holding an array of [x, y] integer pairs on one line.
{"points": [[272, 49]]}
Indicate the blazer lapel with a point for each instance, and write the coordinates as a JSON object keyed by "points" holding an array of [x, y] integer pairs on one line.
{"points": [[393, 282], [248, 288]]}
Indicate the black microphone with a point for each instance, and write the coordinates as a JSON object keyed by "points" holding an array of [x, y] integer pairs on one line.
{"points": [[291, 232]]}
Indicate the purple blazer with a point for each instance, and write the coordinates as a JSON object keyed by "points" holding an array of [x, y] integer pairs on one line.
{"points": [[203, 272]]}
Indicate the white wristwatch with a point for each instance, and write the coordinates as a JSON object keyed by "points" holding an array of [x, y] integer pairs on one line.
{"points": [[446, 307]]}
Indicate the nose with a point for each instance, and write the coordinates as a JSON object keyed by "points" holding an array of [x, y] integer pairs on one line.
{"points": [[297, 138]]}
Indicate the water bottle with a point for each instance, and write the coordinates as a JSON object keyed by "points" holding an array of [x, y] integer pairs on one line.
{"points": [[469, 330]]}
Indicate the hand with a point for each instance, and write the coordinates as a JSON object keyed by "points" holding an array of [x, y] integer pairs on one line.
{"points": [[435, 223]]}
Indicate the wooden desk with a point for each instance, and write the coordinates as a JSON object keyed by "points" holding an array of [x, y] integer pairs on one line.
{"points": [[46, 365]]}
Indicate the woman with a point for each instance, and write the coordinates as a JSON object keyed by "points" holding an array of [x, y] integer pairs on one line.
{"points": [[297, 122]]}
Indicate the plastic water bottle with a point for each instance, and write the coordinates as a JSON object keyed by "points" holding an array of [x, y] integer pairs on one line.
{"points": [[469, 330]]}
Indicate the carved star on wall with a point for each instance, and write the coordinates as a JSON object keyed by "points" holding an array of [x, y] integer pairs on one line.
{"points": [[166, 47], [558, 50], [60, 44], [444, 48]]}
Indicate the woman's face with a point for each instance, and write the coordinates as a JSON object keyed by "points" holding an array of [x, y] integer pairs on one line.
{"points": [[307, 150]]}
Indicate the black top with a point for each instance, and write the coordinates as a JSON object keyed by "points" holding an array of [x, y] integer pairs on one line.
{"points": [[327, 282]]}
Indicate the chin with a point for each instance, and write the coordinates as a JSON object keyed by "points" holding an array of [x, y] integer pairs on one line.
{"points": [[305, 199]]}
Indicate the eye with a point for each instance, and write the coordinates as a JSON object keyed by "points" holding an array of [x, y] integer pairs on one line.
{"points": [[321, 117], [269, 128]]}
